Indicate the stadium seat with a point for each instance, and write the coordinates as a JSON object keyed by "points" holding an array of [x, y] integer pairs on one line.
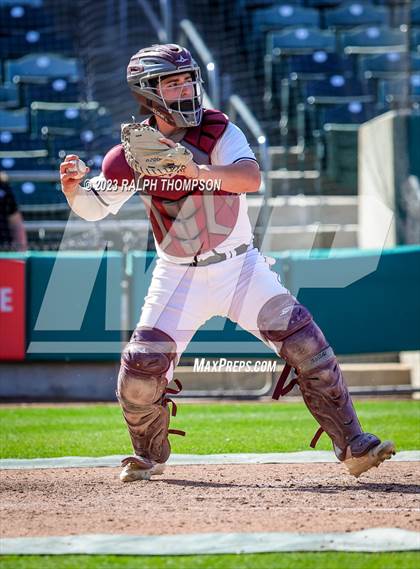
{"points": [[11, 141], [355, 112], [283, 15], [18, 16], [398, 92], [300, 41], [38, 193], [60, 117], [58, 90], [25, 160], [68, 118], [9, 96], [22, 43], [388, 65], [90, 145], [322, 3], [255, 4], [14, 121], [415, 14], [302, 68], [42, 65], [318, 65], [373, 40], [59, 146], [399, 11], [415, 40], [356, 13], [33, 3], [337, 89], [296, 41]]}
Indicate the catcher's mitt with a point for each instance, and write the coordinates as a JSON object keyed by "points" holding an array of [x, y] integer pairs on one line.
{"points": [[150, 157]]}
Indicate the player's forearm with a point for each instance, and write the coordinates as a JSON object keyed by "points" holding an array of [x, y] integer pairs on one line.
{"points": [[244, 177], [86, 205]]}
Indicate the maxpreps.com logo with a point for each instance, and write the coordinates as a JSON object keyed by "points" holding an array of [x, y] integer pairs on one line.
{"points": [[204, 365]]}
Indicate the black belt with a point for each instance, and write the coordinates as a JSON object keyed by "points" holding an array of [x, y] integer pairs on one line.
{"points": [[218, 257]]}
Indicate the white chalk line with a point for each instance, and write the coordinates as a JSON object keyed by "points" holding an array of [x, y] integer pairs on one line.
{"points": [[315, 456], [375, 540]]}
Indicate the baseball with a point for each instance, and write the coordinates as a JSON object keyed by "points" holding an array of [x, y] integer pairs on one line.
{"points": [[79, 168]]}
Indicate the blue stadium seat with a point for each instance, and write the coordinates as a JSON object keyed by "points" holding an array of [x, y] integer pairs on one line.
{"points": [[253, 4], [68, 118], [337, 89], [11, 141], [33, 3], [415, 14], [19, 17], [373, 40], [283, 15], [59, 146], [29, 160], [9, 96], [322, 3], [356, 13], [355, 112], [38, 193], [393, 92], [415, 40], [296, 41], [14, 121], [87, 140], [388, 65], [22, 43], [318, 65], [42, 65], [299, 41], [57, 90]]}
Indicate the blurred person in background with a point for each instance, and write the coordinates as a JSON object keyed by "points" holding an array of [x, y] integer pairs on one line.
{"points": [[12, 230]]}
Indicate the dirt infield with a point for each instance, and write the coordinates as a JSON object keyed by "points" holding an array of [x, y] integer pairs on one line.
{"points": [[207, 498]]}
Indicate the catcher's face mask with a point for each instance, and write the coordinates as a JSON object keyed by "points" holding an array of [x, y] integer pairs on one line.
{"points": [[149, 67], [183, 99]]}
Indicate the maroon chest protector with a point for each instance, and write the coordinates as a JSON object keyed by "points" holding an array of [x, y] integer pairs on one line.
{"points": [[184, 223]]}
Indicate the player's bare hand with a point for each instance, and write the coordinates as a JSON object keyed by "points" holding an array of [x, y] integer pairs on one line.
{"points": [[69, 177], [167, 141]]}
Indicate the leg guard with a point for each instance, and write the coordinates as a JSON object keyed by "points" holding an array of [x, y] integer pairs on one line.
{"points": [[141, 391], [298, 340]]}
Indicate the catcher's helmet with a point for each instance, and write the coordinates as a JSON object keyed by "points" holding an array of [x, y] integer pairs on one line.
{"points": [[149, 66]]}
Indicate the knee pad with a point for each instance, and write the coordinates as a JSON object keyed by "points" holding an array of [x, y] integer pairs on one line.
{"points": [[289, 326], [144, 364]]}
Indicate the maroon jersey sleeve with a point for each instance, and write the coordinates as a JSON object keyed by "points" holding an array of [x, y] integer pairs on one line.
{"points": [[115, 167]]}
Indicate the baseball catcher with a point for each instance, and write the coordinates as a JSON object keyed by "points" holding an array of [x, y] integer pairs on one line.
{"points": [[207, 265]]}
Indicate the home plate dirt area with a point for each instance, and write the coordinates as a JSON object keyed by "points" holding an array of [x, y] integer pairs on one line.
{"points": [[209, 498]]}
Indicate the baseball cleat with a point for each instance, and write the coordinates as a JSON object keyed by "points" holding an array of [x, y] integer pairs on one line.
{"points": [[374, 457], [139, 468]]}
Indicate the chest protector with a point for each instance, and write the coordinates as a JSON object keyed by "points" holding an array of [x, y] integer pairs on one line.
{"points": [[188, 223]]}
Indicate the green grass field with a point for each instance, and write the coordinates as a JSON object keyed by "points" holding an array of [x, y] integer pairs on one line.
{"points": [[330, 560], [98, 430]]}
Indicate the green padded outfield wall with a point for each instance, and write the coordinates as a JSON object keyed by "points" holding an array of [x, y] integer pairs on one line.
{"points": [[74, 305], [365, 301]]}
